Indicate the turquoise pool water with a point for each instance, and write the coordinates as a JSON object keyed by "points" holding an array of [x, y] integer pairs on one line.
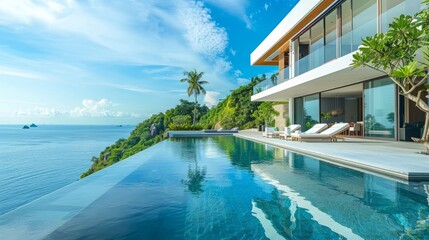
{"points": [[225, 188]]}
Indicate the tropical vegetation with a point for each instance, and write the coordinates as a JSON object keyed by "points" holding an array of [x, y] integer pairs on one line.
{"points": [[193, 78], [236, 110]]}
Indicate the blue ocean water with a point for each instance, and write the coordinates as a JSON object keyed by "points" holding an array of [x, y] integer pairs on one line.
{"points": [[40, 160]]}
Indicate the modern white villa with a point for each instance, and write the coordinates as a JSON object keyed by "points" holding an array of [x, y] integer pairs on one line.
{"points": [[313, 46]]}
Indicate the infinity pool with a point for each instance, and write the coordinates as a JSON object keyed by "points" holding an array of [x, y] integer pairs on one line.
{"points": [[225, 188]]}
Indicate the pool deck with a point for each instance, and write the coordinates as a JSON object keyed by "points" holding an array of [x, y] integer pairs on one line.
{"points": [[393, 159]]}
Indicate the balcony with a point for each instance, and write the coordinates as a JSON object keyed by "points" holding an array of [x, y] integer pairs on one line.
{"points": [[268, 83], [333, 50], [338, 47]]}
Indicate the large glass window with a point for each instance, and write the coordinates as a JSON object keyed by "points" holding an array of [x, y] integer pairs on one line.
{"points": [[364, 20], [394, 8], [346, 27], [331, 36], [317, 44], [298, 108], [303, 47], [342, 105], [307, 111], [379, 110]]}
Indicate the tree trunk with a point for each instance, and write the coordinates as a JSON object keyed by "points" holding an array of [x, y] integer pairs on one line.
{"points": [[195, 109], [426, 128]]}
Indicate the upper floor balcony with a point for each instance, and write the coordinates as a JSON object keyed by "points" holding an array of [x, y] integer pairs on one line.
{"points": [[332, 38]]}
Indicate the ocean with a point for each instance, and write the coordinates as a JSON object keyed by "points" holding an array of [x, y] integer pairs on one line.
{"points": [[40, 160]]}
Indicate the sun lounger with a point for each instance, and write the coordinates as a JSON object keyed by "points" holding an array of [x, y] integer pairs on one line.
{"points": [[330, 133], [288, 130], [270, 132]]}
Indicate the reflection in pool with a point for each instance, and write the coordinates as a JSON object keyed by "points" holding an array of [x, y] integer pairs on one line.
{"points": [[225, 187]]}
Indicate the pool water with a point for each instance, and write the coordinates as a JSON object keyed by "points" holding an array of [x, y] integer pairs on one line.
{"points": [[225, 188]]}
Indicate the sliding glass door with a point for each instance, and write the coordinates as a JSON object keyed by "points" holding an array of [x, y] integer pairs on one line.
{"points": [[379, 110], [307, 111]]}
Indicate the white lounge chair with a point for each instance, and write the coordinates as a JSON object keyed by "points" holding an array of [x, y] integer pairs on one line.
{"points": [[317, 128], [288, 130], [330, 133], [269, 132]]}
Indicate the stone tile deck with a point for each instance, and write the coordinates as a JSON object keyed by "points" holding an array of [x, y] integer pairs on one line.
{"points": [[398, 160]]}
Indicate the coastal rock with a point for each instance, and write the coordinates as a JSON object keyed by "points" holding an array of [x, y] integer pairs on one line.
{"points": [[26, 127], [106, 156], [33, 125]]}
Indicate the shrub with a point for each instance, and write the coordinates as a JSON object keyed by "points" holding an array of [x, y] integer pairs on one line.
{"points": [[182, 119], [186, 126]]}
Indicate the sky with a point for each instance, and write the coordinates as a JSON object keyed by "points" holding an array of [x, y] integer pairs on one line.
{"points": [[120, 61]]}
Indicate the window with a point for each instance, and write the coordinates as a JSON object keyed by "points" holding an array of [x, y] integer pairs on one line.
{"points": [[364, 21], [346, 27], [317, 45], [379, 110], [394, 8], [331, 36], [307, 111]]}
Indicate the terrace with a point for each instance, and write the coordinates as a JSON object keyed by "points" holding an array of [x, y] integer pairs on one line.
{"points": [[397, 160]]}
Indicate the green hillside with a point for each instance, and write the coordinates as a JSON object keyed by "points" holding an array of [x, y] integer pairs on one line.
{"points": [[236, 110]]}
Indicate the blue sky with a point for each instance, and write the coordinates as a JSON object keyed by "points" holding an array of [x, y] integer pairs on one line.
{"points": [[118, 62]]}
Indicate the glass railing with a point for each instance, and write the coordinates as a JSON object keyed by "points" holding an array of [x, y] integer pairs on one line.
{"points": [[349, 42], [269, 83]]}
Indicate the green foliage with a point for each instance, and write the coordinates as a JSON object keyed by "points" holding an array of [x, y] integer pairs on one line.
{"points": [[287, 121], [185, 108], [185, 126], [196, 178], [309, 122], [235, 111], [265, 113], [138, 140], [326, 115], [178, 118], [181, 120]]}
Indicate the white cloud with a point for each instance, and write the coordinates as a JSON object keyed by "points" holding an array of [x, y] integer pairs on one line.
{"points": [[89, 108], [92, 108], [222, 65], [132, 88], [13, 72], [266, 6], [236, 8], [211, 98], [237, 73], [127, 32], [243, 81], [202, 32], [233, 52], [27, 12], [94, 46], [39, 111]]}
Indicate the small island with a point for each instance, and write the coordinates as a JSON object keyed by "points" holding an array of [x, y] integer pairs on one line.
{"points": [[26, 127], [33, 125]]}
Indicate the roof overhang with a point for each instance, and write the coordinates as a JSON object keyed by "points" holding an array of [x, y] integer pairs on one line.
{"points": [[297, 19], [334, 74]]}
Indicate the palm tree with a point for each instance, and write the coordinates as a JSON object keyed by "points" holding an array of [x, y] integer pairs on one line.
{"points": [[193, 78], [274, 78]]}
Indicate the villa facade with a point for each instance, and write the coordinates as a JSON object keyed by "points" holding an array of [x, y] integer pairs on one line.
{"points": [[313, 46]]}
